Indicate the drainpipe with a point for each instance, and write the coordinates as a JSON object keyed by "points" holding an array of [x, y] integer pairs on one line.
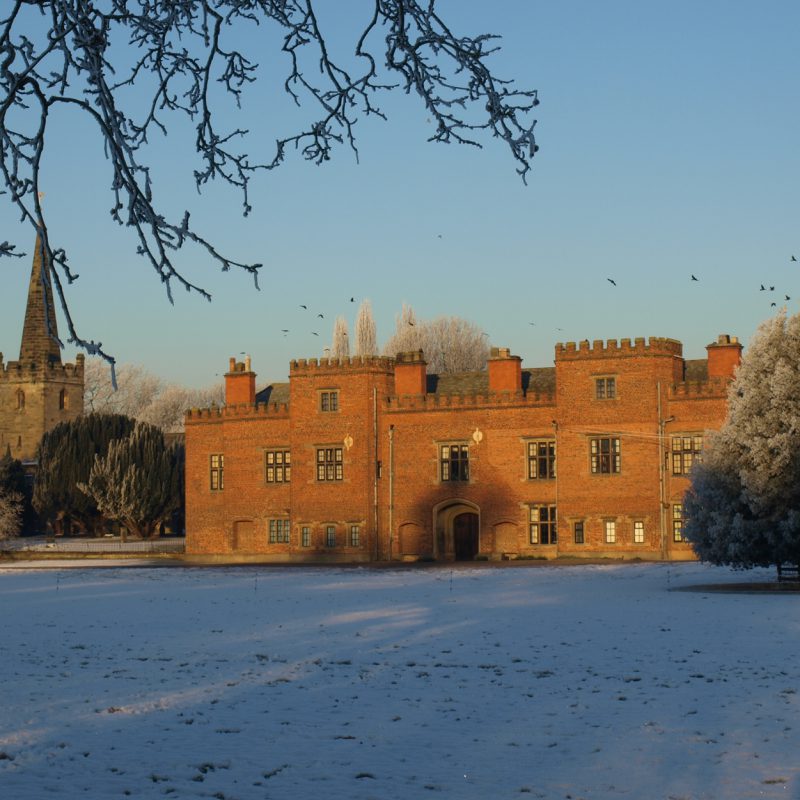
{"points": [[391, 489], [662, 499], [558, 537], [375, 468]]}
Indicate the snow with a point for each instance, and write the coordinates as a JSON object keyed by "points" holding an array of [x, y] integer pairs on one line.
{"points": [[262, 682]]}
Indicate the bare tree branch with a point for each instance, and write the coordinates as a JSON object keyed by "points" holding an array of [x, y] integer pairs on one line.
{"points": [[76, 54]]}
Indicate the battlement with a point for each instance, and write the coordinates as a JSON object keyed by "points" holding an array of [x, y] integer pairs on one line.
{"points": [[272, 410], [656, 346], [327, 366], [713, 387], [21, 372], [439, 402]]}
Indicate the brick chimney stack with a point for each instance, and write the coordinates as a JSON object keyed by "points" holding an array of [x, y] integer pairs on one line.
{"points": [[410, 373], [240, 383], [505, 371], [724, 356]]}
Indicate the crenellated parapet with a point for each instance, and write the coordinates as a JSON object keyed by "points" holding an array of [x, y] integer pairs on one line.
{"points": [[238, 411], [33, 372], [713, 387], [454, 402], [613, 348], [327, 366]]}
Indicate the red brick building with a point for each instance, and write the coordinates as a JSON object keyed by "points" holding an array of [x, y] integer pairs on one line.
{"points": [[373, 459]]}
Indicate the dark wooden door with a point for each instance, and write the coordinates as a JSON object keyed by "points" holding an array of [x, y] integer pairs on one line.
{"points": [[465, 536]]}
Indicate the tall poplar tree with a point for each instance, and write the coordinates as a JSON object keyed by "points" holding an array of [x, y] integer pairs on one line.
{"points": [[366, 336]]}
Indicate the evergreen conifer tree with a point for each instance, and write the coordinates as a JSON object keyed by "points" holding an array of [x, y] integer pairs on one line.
{"points": [[66, 456], [138, 482]]}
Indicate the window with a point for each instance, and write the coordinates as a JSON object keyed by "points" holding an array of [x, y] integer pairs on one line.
{"points": [[305, 536], [542, 459], [278, 466], [605, 456], [355, 536], [677, 522], [605, 388], [638, 531], [454, 462], [686, 450], [330, 536], [543, 525], [329, 464], [329, 400], [20, 399], [279, 531], [63, 400], [578, 530], [217, 468], [610, 526]]}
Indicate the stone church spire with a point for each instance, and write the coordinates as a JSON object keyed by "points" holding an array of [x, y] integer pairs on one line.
{"points": [[39, 345]]}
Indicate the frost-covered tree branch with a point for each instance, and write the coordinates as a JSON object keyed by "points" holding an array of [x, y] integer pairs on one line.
{"points": [[450, 344], [181, 55]]}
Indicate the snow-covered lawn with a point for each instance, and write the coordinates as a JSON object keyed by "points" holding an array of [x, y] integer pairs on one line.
{"points": [[568, 682]]}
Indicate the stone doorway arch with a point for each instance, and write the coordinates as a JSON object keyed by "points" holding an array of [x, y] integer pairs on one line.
{"points": [[457, 525]]}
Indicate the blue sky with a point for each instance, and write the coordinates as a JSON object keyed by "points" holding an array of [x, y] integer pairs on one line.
{"points": [[669, 147]]}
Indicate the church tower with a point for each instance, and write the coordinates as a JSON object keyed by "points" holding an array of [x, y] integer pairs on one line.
{"points": [[37, 391]]}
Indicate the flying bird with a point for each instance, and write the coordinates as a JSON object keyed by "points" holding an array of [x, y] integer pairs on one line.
{"points": [[793, 258], [352, 299], [772, 288], [321, 316], [531, 323], [693, 278], [762, 289], [786, 297], [305, 307], [284, 330], [773, 304], [314, 333], [611, 281]]}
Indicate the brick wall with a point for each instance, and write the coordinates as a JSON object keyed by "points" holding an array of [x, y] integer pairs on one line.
{"points": [[385, 426]]}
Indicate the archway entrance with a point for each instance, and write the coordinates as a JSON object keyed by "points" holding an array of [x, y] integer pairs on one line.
{"points": [[465, 536], [457, 525]]}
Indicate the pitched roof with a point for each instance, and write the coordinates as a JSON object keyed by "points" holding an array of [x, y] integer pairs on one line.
{"points": [[273, 393], [696, 370], [535, 381]]}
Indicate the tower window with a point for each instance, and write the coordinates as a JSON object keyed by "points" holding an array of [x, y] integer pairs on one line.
{"points": [[63, 400], [20, 399]]}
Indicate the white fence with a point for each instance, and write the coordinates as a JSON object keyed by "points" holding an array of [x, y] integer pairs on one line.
{"points": [[106, 544]]}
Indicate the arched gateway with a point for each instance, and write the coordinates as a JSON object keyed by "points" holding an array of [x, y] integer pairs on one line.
{"points": [[457, 526]]}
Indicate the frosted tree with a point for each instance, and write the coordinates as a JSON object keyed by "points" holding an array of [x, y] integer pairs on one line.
{"points": [[407, 333], [341, 339], [450, 344], [755, 459], [138, 481], [167, 410], [366, 336], [143, 396], [137, 70], [136, 388]]}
